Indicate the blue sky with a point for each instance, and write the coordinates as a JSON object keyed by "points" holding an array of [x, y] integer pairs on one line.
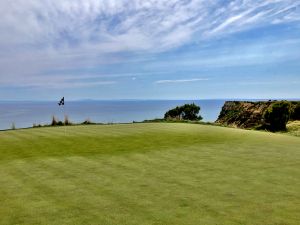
{"points": [[149, 49]]}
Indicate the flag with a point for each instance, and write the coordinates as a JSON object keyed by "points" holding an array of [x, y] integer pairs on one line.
{"points": [[62, 101]]}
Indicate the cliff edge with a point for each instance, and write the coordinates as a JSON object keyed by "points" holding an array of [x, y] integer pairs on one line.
{"points": [[244, 114]]}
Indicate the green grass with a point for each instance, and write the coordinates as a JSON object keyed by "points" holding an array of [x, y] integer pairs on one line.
{"points": [[142, 174]]}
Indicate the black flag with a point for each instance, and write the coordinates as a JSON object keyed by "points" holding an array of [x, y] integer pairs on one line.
{"points": [[62, 101]]}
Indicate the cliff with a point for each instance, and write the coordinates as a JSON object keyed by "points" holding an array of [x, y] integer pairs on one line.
{"points": [[246, 114]]}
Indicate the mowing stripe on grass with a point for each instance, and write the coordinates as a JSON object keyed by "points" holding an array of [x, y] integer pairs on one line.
{"points": [[148, 174]]}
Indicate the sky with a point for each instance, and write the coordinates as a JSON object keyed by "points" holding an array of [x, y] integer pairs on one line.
{"points": [[149, 49]]}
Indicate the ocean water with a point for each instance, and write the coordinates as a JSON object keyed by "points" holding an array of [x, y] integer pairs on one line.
{"points": [[25, 114]]}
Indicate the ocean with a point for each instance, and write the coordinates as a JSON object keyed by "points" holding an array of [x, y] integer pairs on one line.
{"points": [[25, 114]]}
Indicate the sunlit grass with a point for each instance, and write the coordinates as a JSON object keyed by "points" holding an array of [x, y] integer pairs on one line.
{"points": [[148, 174], [294, 128]]}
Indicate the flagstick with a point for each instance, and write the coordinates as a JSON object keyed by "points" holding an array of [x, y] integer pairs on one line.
{"points": [[62, 103], [65, 119]]}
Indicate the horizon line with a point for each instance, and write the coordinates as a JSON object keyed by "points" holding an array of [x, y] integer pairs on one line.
{"points": [[200, 99]]}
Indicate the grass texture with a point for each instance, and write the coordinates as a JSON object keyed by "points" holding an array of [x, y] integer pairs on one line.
{"points": [[148, 174], [293, 128]]}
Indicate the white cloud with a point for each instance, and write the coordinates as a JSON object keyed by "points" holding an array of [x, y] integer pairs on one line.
{"points": [[118, 25], [57, 81], [265, 53], [39, 35], [181, 81]]}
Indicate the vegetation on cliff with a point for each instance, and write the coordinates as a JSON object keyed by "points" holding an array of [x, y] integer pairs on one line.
{"points": [[295, 115], [277, 116], [245, 114]]}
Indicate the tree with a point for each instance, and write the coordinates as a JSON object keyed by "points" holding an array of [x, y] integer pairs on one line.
{"points": [[175, 113], [185, 112], [277, 116]]}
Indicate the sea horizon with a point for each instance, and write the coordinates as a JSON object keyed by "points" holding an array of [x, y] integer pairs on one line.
{"points": [[166, 99], [25, 113]]}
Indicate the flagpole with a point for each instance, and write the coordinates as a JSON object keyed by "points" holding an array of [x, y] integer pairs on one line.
{"points": [[65, 119], [62, 103]]}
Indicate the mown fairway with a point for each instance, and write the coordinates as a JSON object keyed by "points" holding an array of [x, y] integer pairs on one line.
{"points": [[177, 174]]}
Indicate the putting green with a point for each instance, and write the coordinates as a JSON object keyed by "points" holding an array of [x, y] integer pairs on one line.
{"points": [[177, 174]]}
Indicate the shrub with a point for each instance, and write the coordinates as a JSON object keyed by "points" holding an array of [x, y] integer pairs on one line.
{"points": [[54, 121], [67, 121], [277, 116], [36, 125], [87, 122], [175, 113], [296, 113], [60, 123], [191, 112], [185, 112]]}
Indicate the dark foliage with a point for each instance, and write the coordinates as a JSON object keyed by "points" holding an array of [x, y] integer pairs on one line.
{"points": [[67, 121], [54, 121], [37, 125], [277, 116], [295, 115], [185, 112], [60, 123], [175, 113], [87, 122]]}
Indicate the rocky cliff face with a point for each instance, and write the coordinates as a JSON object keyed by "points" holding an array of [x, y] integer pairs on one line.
{"points": [[245, 114]]}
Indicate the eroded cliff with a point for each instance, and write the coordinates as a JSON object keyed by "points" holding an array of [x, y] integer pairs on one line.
{"points": [[245, 114]]}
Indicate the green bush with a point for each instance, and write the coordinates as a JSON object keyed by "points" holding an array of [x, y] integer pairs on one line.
{"points": [[67, 121], [60, 123], [36, 125], [87, 122], [277, 116], [185, 112], [296, 113], [175, 113], [54, 121]]}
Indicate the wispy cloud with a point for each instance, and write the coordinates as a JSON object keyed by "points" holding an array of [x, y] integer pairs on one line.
{"points": [[240, 54], [39, 35], [56, 82], [119, 25], [270, 83], [181, 81]]}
